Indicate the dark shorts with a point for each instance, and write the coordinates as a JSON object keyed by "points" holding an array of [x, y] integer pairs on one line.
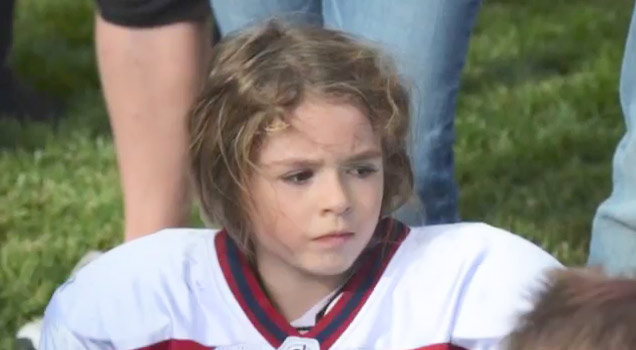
{"points": [[150, 13]]}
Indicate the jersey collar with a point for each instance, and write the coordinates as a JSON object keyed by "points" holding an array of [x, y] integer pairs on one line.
{"points": [[270, 323]]}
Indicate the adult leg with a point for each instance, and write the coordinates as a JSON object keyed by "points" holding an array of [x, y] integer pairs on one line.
{"points": [[613, 243], [150, 76], [429, 39], [234, 15]]}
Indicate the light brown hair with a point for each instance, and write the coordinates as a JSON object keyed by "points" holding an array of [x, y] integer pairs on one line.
{"points": [[257, 77], [580, 309]]}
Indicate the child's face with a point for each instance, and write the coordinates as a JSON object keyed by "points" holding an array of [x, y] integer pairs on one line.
{"points": [[318, 192]]}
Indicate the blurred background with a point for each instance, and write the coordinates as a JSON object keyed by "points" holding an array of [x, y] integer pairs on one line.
{"points": [[538, 120]]}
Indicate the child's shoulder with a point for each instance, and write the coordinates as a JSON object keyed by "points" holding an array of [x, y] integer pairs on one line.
{"points": [[132, 280], [490, 273], [479, 242], [148, 257]]}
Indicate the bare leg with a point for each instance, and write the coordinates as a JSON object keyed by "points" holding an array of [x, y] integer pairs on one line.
{"points": [[150, 76]]}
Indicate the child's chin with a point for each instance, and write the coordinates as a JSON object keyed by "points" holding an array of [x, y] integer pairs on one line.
{"points": [[330, 268]]}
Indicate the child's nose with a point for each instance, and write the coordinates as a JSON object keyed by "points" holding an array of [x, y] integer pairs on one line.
{"points": [[335, 196]]}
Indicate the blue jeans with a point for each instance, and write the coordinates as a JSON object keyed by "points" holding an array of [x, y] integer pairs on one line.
{"points": [[429, 40], [613, 243]]}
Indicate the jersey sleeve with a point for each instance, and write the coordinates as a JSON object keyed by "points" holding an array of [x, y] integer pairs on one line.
{"points": [[57, 335], [500, 289], [131, 296]]}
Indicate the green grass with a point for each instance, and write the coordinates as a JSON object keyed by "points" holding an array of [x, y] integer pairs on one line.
{"points": [[538, 120]]}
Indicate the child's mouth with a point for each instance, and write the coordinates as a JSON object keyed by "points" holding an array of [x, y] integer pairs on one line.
{"points": [[334, 238]]}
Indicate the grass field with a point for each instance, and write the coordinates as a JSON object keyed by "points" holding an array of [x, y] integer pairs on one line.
{"points": [[538, 119]]}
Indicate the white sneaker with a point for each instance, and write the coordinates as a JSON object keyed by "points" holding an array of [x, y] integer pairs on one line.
{"points": [[28, 336]]}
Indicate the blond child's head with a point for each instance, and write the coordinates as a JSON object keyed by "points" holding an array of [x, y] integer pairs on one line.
{"points": [[580, 309], [298, 144]]}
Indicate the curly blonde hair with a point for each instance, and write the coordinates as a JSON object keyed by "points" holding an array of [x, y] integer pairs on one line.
{"points": [[257, 77]]}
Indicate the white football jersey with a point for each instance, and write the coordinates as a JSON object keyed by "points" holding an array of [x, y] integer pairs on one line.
{"points": [[445, 287]]}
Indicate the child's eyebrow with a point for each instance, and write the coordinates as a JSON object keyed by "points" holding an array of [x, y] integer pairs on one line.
{"points": [[366, 155], [297, 162], [310, 163]]}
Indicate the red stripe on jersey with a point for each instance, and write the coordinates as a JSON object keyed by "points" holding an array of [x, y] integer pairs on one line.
{"points": [[221, 242], [445, 346], [177, 344]]}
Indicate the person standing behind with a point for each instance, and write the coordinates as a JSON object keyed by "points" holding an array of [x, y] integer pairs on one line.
{"points": [[613, 243], [151, 56]]}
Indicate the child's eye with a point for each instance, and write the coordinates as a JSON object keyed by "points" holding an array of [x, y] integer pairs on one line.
{"points": [[363, 171], [299, 177]]}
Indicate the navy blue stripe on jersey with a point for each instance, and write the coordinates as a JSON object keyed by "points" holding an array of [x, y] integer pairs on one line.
{"points": [[264, 321], [391, 237], [368, 270], [348, 309]]}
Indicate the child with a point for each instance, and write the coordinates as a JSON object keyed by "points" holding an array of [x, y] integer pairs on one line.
{"points": [[299, 153], [580, 310]]}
